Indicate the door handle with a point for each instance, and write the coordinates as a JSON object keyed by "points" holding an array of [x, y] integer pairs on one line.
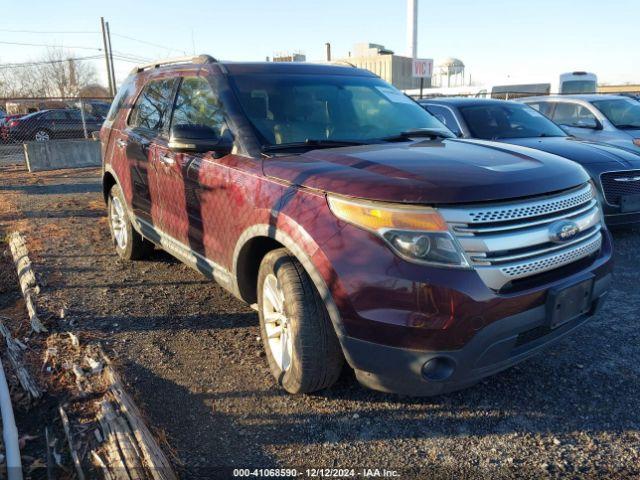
{"points": [[168, 161], [121, 143]]}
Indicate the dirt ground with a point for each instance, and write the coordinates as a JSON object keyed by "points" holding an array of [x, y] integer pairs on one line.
{"points": [[191, 356]]}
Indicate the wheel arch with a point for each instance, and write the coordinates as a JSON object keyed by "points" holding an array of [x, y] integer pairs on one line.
{"points": [[254, 244], [108, 181]]}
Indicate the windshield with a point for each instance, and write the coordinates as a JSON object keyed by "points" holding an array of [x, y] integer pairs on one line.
{"points": [[508, 120], [287, 109], [622, 112], [578, 86]]}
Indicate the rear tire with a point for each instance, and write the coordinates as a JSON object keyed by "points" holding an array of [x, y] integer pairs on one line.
{"points": [[130, 245], [308, 356]]}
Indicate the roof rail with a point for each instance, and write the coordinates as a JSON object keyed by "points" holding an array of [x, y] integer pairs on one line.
{"points": [[198, 60], [343, 62]]}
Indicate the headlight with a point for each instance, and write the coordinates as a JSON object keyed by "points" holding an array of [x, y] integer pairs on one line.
{"points": [[418, 234]]}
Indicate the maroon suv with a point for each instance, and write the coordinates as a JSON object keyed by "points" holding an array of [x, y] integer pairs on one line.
{"points": [[360, 229]]}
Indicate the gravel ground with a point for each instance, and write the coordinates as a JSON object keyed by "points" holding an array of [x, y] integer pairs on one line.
{"points": [[190, 355]]}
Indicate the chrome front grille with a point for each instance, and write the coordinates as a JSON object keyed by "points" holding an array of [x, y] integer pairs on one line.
{"points": [[512, 240], [620, 183]]}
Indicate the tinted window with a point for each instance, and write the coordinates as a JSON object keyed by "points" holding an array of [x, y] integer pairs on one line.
{"points": [[196, 104], [622, 112], [573, 115], [508, 120], [153, 106], [294, 108], [75, 115], [56, 115], [445, 116]]}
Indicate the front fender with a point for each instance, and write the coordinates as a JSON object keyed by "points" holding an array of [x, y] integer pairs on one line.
{"points": [[298, 241]]}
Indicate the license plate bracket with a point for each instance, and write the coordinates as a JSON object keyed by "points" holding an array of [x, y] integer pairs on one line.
{"points": [[630, 203], [567, 303]]}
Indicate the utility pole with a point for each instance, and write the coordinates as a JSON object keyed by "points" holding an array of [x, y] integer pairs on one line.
{"points": [[106, 55], [112, 71]]}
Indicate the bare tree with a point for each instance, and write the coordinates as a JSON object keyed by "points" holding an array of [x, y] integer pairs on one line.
{"points": [[55, 74]]}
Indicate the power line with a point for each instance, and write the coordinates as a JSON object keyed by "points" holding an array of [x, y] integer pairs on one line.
{"points": [[49, 45], [145, 42], [46, 62], [128, 59], [48, 32]]}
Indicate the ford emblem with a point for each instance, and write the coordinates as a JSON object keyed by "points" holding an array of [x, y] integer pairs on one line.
{"points": [[563, 231]]}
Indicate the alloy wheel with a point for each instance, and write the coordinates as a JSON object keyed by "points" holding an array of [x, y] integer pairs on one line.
{"points": [[42, 136], [277, 324], [118, 222]]}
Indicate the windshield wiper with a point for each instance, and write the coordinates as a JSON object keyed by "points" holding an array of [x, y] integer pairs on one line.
{"points": [[628, 126], [422, 132], [310, 144]]}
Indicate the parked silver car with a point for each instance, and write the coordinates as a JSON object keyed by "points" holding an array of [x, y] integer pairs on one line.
{"points": [[612, 119]]}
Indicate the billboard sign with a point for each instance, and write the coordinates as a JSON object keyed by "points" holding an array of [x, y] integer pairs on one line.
{"points": [[422, 67]]}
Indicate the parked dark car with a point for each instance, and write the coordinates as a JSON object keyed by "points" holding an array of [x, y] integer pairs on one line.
{"points": [[353, 221], [45, 125], [98, 108], [614, 170]]}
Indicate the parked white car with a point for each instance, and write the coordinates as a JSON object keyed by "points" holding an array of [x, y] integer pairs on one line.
{"points": [[611, 119]]}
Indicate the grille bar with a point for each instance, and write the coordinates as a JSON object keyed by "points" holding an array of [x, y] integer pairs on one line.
{"points": [[479, 230], [620, 183], [525, 209], [513, 240]]}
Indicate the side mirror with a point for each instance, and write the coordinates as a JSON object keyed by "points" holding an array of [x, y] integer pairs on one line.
{"points": [[198, 139], [592, 123]]}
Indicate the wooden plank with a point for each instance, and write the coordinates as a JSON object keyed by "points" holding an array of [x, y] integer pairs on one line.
{"points": [[74, 453], [154, 458], [14, 353], [26, 278]]}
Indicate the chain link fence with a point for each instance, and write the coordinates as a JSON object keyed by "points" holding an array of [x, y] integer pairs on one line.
{"points": [[47, 119]]}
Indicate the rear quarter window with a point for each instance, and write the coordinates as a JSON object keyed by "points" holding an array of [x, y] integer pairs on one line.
{"points": [[121, 100], [543, 107]]}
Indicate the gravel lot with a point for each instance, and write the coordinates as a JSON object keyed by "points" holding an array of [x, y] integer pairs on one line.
{"points": [[190, 354]]}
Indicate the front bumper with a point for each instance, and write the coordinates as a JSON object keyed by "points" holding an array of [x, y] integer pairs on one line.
{"points": [[620, 219], [496, 347]]}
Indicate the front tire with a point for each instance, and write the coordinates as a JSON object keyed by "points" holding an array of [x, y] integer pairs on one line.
{"points": [[42, 135], [130, 245], [301, 345]]}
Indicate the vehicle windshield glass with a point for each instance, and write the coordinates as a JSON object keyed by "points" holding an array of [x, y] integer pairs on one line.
{"points": [[286, 109], [578, 86], [622, 112], [508, 120]]}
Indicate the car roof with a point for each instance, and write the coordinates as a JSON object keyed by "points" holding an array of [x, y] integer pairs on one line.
{"points": [[301, 68], [279, 68], [463, 101], [587, 97]]}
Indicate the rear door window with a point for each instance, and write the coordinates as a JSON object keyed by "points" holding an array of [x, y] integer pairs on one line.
{"points": [[152, 109], [56, 115]]}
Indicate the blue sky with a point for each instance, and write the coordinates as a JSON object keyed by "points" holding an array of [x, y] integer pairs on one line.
{"points": [[498, 40]]}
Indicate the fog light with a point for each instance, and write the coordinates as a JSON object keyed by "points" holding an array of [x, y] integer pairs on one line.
{"points": [[438, 368]]}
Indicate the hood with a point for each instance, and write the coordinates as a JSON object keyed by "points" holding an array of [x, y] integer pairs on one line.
{"points": [[429, 172], [635, 133], [581, 151]]}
